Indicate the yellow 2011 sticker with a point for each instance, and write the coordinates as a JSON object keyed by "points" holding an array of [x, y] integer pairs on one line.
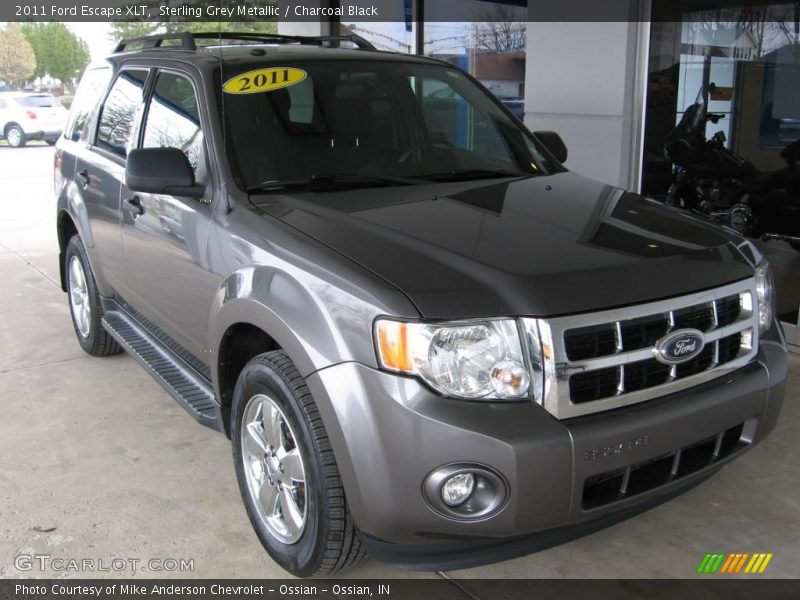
{"points": [[264, 80]]}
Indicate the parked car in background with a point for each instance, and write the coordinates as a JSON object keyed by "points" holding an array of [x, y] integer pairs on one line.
{"points": [[26, 116]]}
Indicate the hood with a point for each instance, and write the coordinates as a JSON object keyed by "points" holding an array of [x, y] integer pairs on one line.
{"points": [[539, 246]]}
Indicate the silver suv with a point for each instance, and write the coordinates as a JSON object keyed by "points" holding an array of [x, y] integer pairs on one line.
{"points": [[425, 338]]}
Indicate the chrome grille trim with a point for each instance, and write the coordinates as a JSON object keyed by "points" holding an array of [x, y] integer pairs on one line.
{"points": [[557, 373]]}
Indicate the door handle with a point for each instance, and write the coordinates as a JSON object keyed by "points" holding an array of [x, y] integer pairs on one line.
{"points": [[83, 178], [136, 204]]}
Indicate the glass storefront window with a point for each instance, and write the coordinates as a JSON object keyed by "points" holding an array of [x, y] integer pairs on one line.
{"points": [[752, 56], [397, 35], [389, 36], [490, 46], [485, 38]]}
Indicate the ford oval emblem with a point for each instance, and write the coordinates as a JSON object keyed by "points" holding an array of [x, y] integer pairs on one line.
{"points": [[679, 346]]}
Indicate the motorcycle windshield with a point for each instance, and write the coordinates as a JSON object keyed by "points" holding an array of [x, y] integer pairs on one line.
{"points": [[698, 111]]}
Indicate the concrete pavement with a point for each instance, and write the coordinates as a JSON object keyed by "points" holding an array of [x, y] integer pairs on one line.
{"points": [[97, 462]]}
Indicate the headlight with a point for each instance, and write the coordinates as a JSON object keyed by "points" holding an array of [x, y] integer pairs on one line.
{"points": [[472, 360], [765, 294]]}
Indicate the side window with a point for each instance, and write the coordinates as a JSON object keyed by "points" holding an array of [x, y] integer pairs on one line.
{"points": [[173, 120], [117, 119], [86, 98]]}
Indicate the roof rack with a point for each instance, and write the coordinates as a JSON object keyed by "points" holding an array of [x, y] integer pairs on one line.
{"points": [[186, 41]]}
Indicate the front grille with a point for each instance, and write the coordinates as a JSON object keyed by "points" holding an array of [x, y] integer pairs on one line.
{"points": [[637, 478], [643, 374], [640, 333], [585, 387], [590, 342], [585, 343], [728, 310], [605, 360]]}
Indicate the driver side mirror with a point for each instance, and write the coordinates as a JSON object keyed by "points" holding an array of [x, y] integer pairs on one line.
{"points": [[553, 142], [161, 171]]}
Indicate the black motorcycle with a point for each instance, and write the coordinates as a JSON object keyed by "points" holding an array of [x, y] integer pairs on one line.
{"points": [[719, 185]]}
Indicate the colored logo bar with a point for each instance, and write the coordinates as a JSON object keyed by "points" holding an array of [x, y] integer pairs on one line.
{"points": [[737, 562]]}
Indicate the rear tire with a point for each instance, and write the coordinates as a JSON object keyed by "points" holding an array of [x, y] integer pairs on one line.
{"points": [[15, 136], [84, 302], [287, 472]]}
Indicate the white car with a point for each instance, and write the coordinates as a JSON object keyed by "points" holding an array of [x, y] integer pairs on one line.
{"points": [[28, 116]]}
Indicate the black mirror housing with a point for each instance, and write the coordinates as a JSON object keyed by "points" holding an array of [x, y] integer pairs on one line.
{"points": [[553, 142], [161, 171]]}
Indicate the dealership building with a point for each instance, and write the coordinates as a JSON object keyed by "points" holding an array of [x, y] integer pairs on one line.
{"points": [[614, 83]]}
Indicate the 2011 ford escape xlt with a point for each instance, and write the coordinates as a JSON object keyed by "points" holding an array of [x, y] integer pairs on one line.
{"points": [[426, 339]]}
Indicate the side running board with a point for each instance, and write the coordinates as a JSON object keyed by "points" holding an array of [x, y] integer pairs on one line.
{"points": [[190, 389]]}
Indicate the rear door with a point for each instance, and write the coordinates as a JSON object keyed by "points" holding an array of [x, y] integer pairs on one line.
{"points": [[164, 236], [100, 175]]}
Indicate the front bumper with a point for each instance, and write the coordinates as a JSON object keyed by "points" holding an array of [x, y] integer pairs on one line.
{"points": [[389, 432]]}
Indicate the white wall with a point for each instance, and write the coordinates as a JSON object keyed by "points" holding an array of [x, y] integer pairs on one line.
{"points": [[303, 28], [587, 81], [308, 27]]}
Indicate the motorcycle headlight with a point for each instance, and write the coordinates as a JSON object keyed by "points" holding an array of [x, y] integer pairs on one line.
{"points": [[765, 295], [476, 360]]}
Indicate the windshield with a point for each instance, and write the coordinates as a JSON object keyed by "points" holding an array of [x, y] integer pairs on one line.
{"points": [[699, 111], [369, 123]]}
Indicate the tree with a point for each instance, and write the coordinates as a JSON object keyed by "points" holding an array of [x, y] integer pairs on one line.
{"points": [[768, 27], [498, 30], [70, 55], [33, 32], [17, 60], [138, 28], [126, 30], [59, 52]]}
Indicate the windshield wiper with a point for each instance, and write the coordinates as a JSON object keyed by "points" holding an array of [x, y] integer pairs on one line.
{"points": [[329, 180], [470, 174]]}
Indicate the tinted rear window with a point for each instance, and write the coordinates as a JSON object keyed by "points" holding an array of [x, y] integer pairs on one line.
{"points": [[39, 101], [92, 85]]}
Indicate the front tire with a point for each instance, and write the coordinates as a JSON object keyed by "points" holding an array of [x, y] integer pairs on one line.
{"points": [[15, 136], [84, 302], [287, 472]]}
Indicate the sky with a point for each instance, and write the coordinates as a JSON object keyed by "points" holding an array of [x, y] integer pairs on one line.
{"points": [[96, 37], [448, 35]]}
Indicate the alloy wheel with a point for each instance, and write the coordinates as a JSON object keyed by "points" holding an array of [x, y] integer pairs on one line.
{"points": [[273, 467], [79, 297], [14, 137]]}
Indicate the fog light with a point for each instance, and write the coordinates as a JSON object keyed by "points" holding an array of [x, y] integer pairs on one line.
{"points": [[458, 488], [465, 491]]}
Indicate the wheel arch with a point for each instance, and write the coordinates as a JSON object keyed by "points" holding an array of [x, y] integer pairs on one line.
{"points": [[65, 228], [11, 124], [72, 218], [23, 135], [240, 343], [261, 308]]}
